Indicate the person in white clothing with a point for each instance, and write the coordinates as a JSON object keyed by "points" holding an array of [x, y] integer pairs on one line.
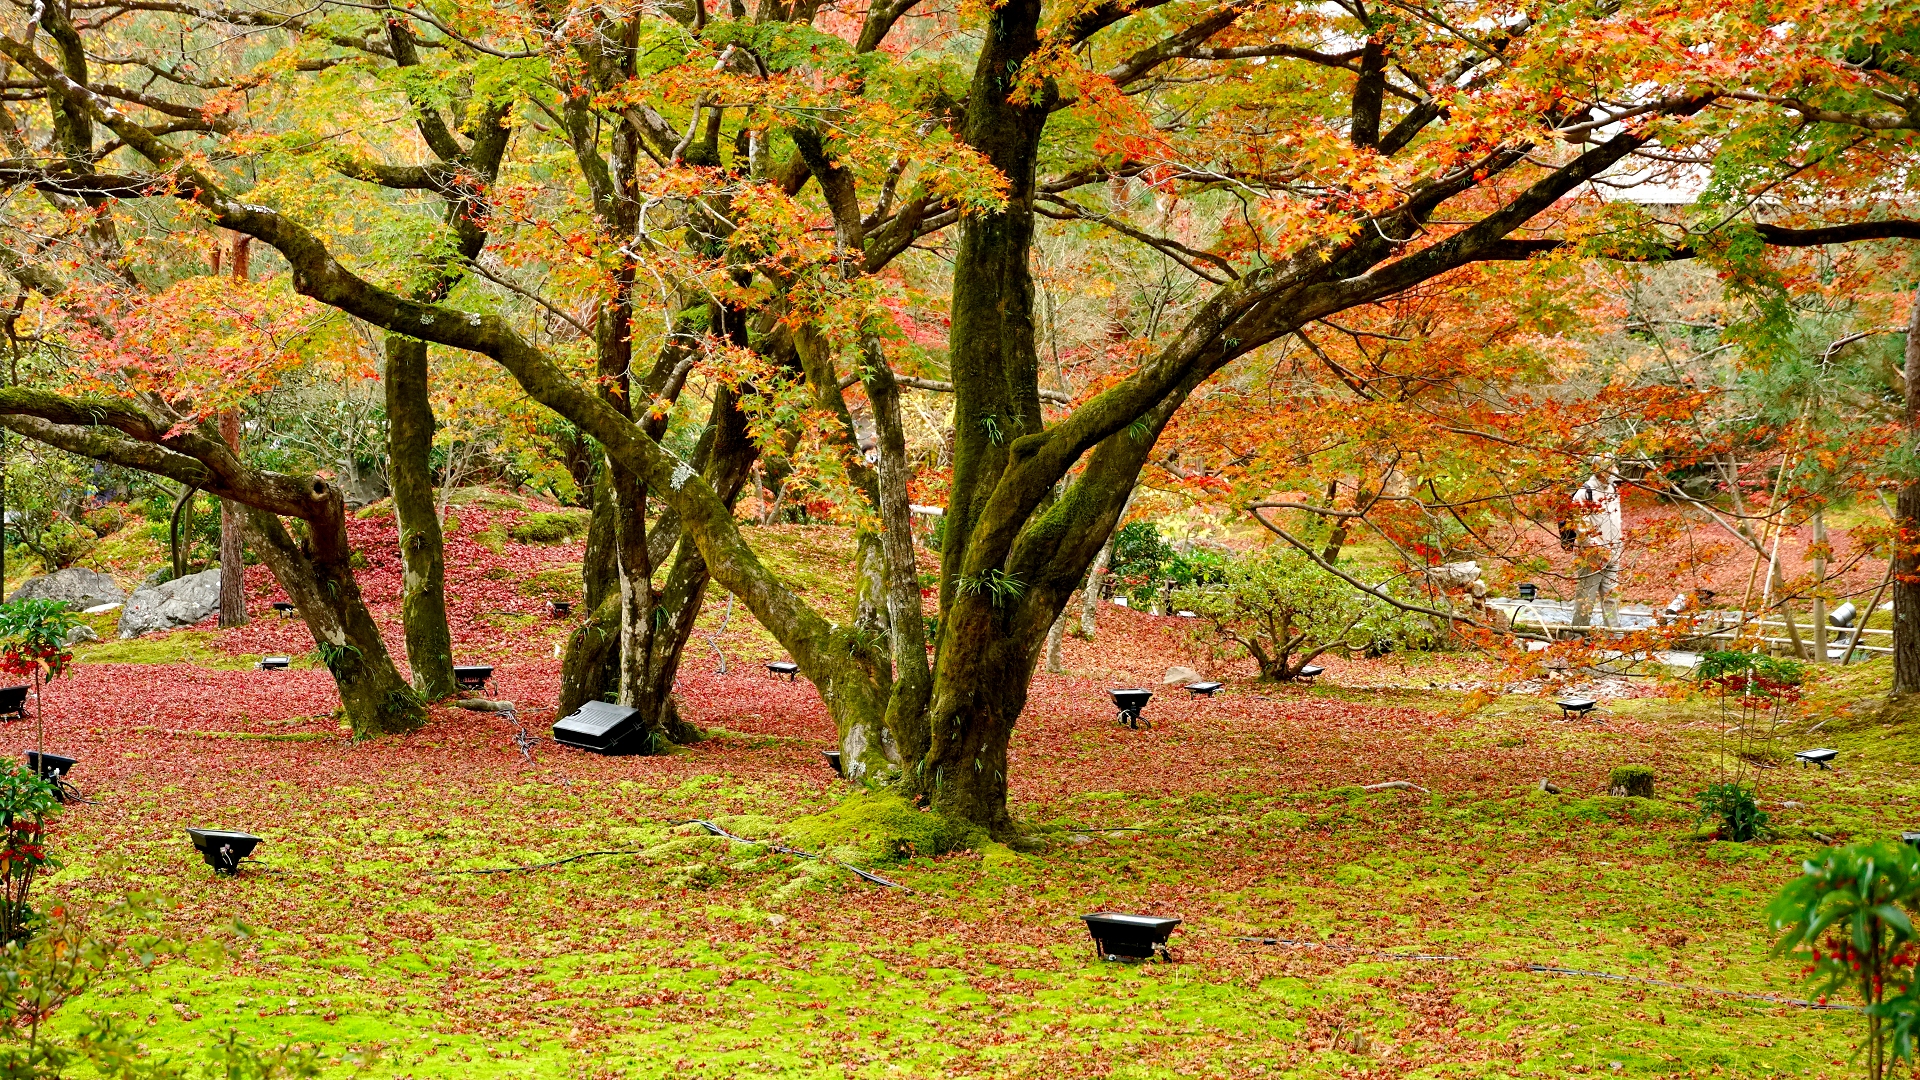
{"points": [[1597, 546]]}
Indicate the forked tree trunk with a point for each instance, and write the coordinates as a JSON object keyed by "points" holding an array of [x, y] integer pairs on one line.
{"points": [[316, 574], [423, 594], [603, 662], [1906, 558]]}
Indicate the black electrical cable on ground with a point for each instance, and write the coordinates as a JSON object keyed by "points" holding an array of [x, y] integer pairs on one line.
{"points": [[867, 875], [1544, 969], [538, 866]]}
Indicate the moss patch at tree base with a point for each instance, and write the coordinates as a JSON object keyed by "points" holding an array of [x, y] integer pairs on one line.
{"points": [[879, 827]]}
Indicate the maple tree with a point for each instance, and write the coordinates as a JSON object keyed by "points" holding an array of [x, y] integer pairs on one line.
{"points": [[763, 171]]}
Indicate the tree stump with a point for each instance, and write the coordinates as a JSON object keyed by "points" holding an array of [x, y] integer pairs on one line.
{"points": [[1631, 780]]}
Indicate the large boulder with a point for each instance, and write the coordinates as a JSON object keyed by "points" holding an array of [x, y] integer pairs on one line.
{"points": [[181, 602], [78, 589], [1455, 575]]}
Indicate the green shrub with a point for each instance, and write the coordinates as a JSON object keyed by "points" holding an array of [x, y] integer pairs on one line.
{"points": [[106, 520], [25, 801], [1849, 918], [553, 528], [1139, 562], [1633, 780], [1733, 806], [1284, 610]]}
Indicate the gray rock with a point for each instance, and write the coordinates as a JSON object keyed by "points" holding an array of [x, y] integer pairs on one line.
{"points": [[1180, 676], [81, 633], [1454, 575], [76, 587], [172, 605]]}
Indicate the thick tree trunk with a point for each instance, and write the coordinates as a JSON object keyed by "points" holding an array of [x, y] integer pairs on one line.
{"points": [[423, 596], [317, 577], [233, 570], [1906, 559], [984, 669]]}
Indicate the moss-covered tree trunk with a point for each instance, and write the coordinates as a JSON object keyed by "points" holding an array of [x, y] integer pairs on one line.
{"points": [[316, 574], [989, 639], [423, 594]]}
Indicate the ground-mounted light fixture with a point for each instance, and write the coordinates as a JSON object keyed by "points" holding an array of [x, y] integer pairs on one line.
{"points": [[54, 768], [51, 767], [559, 609], [784, 667], [472, 676], [222, 849], [1843, 616], [13, 702], [274, 663], [283, 607], [1128, 704], [599, 726], [1529, 591], [1819, 755], [1310, 673], [1118, 936], [1571, 707], [1203, 689], [833, 759]]}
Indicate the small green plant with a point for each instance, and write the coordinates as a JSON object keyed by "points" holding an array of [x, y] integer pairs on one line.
{"points": [[33, 640], [1758, 695], [336, 656], [998, 586], [26, 798], [1733, 805], [1631, 780], [1848, 918]]}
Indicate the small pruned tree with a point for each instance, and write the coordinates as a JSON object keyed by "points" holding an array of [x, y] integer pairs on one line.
{"points": [[1848, 918], [26, 798], [1285, 611], [1757, 696], [33, 641]]}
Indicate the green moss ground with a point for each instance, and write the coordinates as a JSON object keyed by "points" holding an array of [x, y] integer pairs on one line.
{"points": [[691, 955]]}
